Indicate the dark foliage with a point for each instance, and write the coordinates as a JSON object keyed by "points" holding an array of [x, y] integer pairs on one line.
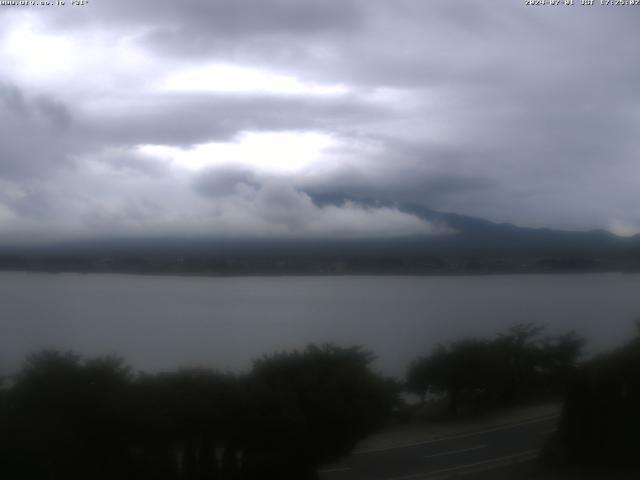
{"points": [[320, 402], [600, 420], [69, 418], [483, 373]]}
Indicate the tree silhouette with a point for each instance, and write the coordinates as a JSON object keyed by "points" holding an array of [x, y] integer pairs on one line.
{"points": [[519, 364], [65, 419], [600, 419], [185, 417], [69, 418], [311, 407]]}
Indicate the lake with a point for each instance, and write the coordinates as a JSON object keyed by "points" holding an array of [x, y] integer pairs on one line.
{"points": [[164, 322]]}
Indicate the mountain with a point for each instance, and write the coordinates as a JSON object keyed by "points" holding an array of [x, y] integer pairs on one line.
{"points": [[481, 237], [474, 246]]}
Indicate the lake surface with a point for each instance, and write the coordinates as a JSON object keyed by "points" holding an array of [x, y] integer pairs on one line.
{"points": [[164, 322]]}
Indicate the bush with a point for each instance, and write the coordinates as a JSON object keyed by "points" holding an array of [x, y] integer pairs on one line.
{"points": [[601, 420], [71, 418], [480, 373]]}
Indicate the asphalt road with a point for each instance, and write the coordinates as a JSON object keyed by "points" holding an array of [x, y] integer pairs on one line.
{"points": [[469, 454]]}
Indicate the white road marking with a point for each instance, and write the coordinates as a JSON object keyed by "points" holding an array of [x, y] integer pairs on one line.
{"points": [[335, 470], [453, 452], [475, 467], [458, 436]]}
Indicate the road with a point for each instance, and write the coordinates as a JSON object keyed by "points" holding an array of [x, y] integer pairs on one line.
{"points": [[466, 454]]}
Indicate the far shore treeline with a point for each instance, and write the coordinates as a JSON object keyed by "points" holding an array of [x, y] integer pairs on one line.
{"points": [[66, 417], [470, 246], [363, 262]]}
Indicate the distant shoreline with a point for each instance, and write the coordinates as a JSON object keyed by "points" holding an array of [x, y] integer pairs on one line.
{"points": [[319, 274]]}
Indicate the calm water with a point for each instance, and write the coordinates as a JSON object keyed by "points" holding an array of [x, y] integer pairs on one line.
{"points": [[164, 322]]}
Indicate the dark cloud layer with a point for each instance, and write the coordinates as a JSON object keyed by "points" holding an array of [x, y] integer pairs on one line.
{"points": [[527, 115], [188, 119], [34, 135]]}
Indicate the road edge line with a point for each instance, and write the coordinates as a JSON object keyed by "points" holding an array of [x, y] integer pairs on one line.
{"points": [[504, 426]]}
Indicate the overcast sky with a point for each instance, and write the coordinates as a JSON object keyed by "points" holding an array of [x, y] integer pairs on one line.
{"points": [[224, 117]]}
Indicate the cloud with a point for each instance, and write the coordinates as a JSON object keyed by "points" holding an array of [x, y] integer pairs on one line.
{"points": [[34, 138], [509, 113], [231, 203], [222, 182], [273, 207], [184, 120], [203, 26]]}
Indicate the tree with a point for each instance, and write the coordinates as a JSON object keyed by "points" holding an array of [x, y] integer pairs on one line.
{"points": [[65, 419], [600, 419], [183, 418], [71, 418], [311, 407], [517, 365]]}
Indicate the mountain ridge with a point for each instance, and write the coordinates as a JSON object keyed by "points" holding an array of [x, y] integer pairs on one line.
{"points": [[475, 245]]}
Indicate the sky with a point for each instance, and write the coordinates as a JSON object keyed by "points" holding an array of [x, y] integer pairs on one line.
{"points": [[226, 118]]}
